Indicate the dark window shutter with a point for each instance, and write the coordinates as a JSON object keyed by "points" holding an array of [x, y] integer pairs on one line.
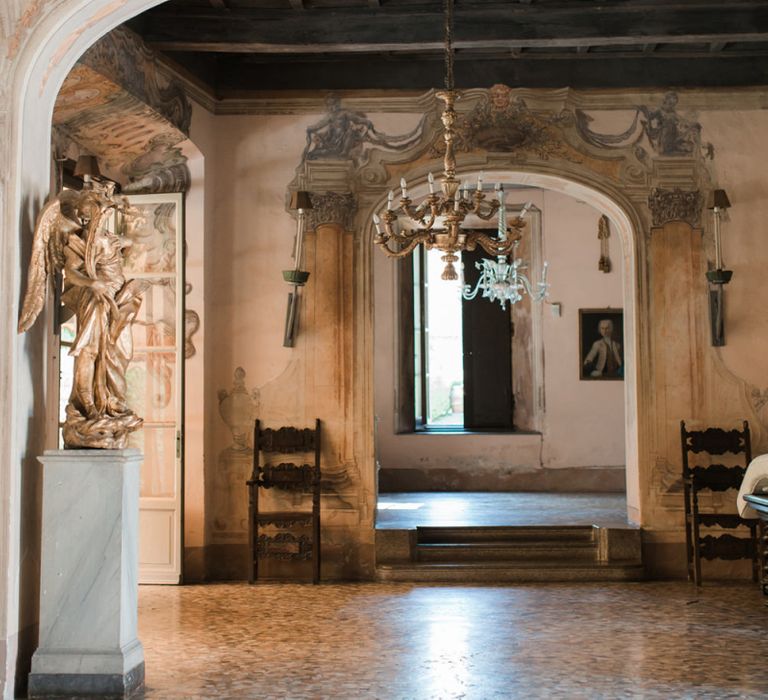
{"points": [[488, 398]]}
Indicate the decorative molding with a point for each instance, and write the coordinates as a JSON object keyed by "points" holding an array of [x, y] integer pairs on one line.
{"points": [[191, 326], [23, 26], [332, 208], [400, 102], [675, 205], [124, 59], [158, 172]]}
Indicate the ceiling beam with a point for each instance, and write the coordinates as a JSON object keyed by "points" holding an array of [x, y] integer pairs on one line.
{"points": [[508, 27], [384, 73]]}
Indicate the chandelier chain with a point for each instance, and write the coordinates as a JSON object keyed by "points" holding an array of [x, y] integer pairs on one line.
{"points": [[448, 7]]}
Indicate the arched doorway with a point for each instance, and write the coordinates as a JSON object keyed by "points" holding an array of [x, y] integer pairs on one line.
{"points": [[426, 450]]}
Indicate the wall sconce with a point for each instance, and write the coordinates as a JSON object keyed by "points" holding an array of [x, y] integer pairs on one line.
{"points": [[87, 167], [300, 201], [718, 202]]}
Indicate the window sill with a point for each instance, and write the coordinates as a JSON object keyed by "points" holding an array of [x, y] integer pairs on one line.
{"points": [[463, 431]]}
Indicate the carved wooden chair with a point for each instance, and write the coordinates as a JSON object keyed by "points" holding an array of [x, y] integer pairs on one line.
{"points": [[715, 478], [288, 535]]}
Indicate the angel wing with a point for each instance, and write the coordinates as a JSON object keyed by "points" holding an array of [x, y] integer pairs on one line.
{"points": [[47, 257]]}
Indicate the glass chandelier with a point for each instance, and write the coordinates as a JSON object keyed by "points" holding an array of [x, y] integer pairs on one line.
{"points": [[504, 281], [439, 217]]}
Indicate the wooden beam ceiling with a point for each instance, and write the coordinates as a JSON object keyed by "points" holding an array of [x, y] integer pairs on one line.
{"points": [[243, 45]]}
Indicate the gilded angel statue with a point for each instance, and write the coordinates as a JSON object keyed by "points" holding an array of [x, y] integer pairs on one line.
{"points": [[72, 237]]}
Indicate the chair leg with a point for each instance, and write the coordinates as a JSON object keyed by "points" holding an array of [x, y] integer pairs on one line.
{"points": [[688, 534], [755, 553], [762, 548], [316, 550], [696, 541]]}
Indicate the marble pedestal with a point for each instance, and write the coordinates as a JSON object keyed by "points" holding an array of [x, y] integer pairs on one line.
{"points": [[89, 578]]}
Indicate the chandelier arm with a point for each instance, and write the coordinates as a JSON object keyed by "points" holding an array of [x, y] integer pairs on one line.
{"points": [[391, 232], [468, 293], [429, 222], [493, 246], [485, 215], [422, 235], [410, 211], [403, 251]]}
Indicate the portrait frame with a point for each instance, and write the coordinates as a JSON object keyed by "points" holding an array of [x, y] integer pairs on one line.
{"points": [[589, 321]]}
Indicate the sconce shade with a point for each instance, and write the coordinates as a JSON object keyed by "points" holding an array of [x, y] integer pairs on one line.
{"points": [[301, 200], [719, 199], [87, 165]]}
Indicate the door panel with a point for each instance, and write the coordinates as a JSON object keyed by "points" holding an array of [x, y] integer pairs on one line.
{"points": [[155, 381]]}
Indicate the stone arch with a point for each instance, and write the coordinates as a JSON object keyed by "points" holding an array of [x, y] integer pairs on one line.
{"points": [[45, 41]]}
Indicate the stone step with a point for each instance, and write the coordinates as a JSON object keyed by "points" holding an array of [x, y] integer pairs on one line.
{"points": [[503, 572], [540, 550], [507, 534]]}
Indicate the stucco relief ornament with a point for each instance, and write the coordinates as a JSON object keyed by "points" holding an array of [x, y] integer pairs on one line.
{"points": [[502, 123], [72, 237], [668, 132], [343, 134]]}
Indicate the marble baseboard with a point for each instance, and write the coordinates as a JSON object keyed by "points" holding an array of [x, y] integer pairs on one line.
{"points": [[340, 562], [95, 685], [565, 480], [665, 561], [227, 562], [194, 565]]}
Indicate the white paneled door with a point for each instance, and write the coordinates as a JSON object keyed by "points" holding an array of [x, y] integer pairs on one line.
{"points": [[155, 379]]}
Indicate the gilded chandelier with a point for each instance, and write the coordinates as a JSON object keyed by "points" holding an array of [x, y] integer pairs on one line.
{"points": [[441, 215]]}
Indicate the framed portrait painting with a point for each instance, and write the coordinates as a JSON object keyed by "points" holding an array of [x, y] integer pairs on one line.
{"points": [[601, 344]]}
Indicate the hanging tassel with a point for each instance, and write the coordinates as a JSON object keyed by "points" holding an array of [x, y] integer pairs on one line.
{"points": [[603, 234]]}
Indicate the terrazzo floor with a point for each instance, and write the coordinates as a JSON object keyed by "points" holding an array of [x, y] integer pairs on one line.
{"points": [[401, 641], [408, 510]]}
